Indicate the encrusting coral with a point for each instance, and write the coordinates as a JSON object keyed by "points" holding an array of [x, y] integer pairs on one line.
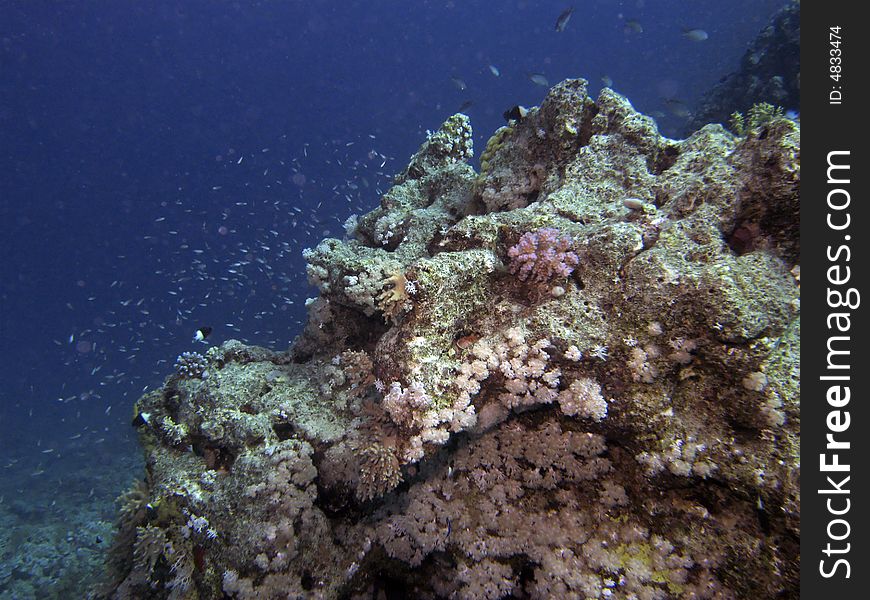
{"points": [[574, 375]]}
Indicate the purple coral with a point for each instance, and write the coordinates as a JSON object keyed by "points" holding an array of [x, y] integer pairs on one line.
{"points": [[542, 255]]}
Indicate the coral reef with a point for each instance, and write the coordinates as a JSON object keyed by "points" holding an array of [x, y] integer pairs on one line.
{"points": [[50, 549], [573, 375]]}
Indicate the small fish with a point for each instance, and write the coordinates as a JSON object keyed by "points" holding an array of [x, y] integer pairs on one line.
{"points": [[515, 113], [538, 79], [632, 26], [200, 334], [142, 418], [465, 105], [633, 203], [678, 108], [564, 17], [460, 85], [494, 70], [606, 81], [695, 35]]}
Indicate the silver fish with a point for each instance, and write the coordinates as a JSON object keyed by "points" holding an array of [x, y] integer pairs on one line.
{"points": [[538, 79], [696, 35]]}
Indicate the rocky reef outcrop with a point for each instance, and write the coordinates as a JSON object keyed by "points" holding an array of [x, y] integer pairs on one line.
{"points": [[574, 374], [769, 73]]}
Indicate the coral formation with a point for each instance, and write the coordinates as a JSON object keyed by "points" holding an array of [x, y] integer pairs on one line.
{"points": [[757, 117], [191, 365], [542, 255], [443, 429]]}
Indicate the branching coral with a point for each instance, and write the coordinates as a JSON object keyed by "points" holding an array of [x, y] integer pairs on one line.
{"points": [[541, 256], [379, 471], [191, 365], [148, 548]]}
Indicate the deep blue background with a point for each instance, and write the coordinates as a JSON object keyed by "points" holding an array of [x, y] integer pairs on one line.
{"points": [[122, 124]]}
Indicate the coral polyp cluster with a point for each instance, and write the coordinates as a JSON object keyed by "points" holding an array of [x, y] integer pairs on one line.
{"points": [[191, 365], [443, 429], [541, 256]]}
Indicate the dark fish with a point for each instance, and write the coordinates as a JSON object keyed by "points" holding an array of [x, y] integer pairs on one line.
{"points": [[465, 105], [141, 419], [200, 334], [564, 17], [515, 113]]}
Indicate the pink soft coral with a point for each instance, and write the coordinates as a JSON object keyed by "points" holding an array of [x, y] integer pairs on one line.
{"points": [[542, 255]]}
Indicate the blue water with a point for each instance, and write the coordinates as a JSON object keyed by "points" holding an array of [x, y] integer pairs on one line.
{"points": [[163, 164]]}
